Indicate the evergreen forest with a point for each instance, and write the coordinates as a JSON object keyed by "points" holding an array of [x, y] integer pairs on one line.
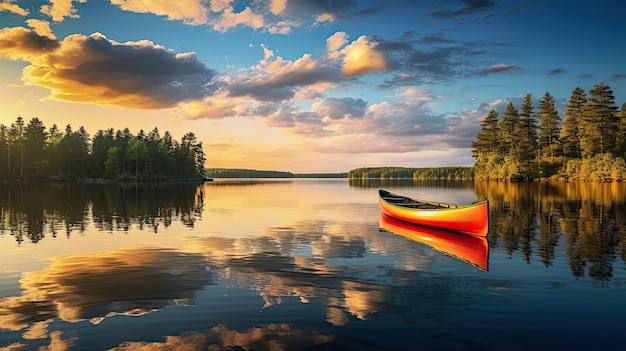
{"points": [[245, 173], [412, 173], [253, 173], [588, 143], [30, 151]]}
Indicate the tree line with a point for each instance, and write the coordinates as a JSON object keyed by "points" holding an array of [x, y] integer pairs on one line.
{"points": [[245, 173], [411, 173], [30, 151], [253, 173], [589, 143]]}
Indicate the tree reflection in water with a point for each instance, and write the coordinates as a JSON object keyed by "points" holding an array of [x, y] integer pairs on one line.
{"points": [[591, 216], [30, 211]]}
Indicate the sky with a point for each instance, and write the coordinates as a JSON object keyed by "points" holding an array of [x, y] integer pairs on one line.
{"points": [[306, 86]]}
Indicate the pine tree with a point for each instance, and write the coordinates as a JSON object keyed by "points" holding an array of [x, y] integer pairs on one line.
{"points": [[100, 144], [511, 141], [509, 130], [598, 123], [620, 140], [487, 148], [549, 126], [488, 139], [549, 147], [528, 144], [34, 148], [197, 156], [5, 160], [570, 141], [16, 137]]}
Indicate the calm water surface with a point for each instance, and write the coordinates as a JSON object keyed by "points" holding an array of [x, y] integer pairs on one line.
{"points": [[307, 264]]}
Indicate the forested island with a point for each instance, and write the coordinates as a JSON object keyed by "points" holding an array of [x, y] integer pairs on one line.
{"points": [[589, 143], [30, 151], [412, 173], [252, 173]]}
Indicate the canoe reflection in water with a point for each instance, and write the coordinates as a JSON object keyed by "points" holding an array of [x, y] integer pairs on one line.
{"points": [[468, 248]]}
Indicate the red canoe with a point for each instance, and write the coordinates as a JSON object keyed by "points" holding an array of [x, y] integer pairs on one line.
{"points": [[468, 248], [469, 219]]}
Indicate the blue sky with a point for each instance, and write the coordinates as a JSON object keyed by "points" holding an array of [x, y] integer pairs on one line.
{"points": [[303, 86]]}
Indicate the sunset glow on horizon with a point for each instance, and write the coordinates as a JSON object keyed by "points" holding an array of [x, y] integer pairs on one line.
{"points": [[303, 86]]}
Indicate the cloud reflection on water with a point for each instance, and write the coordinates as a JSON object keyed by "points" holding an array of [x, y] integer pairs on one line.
{"points": [[309, 260], [96, 286]]}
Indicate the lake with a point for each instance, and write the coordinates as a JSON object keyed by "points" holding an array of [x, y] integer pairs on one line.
{"points": [[307, 264]]}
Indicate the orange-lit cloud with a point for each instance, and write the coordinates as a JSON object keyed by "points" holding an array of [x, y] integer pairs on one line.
{"points": [[362, 57], [10, 6], [278, 79], [40, 27], [336, 41], [230, 19], [59, 9], [275, 17], [278, 6], [214, 107], [189, 11], [94, 69], [19, 43]]}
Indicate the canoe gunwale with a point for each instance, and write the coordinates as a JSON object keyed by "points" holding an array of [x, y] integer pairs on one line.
{"points": [[436, 206], [413, 202]]}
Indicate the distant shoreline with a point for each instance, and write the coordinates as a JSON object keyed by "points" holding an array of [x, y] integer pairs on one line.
{"points": [[255, 173]]}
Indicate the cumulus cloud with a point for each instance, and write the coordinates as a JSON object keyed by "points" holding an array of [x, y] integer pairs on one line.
{"points": [[10, 6], [271, 89], [40, 27], [94, 69], [278, 79], [336, 41], [414, 63], [217, 106], [59, 9], [400, 125], [338, 108], [275, 17], [299, 122], [362, 57], [278, 6], [227, 18], [19, 43], [189, 11]]}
